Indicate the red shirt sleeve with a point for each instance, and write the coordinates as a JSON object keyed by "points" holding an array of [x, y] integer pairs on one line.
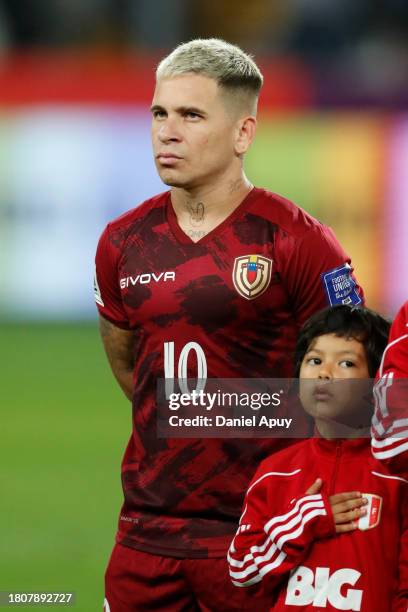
{"points": [[106, 283], [395, 357], [389, 432], [400, 603], [317, 273], [273, 535]]}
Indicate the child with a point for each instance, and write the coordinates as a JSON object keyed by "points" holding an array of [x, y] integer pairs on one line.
{"points": [[324, 525]]}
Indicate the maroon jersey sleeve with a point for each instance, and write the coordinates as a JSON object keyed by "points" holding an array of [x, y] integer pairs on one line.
{"points": [[318, 273], [106, 288]]}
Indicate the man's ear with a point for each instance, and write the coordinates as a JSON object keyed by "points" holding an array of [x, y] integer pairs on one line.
{"points": [[245, 133]]}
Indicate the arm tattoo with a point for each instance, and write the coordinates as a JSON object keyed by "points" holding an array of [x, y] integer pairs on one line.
{"points": [[105, 327], [118, 343]]}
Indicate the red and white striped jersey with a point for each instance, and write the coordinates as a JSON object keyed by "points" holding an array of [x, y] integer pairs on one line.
{"points": [[286, 541], [390, 422]]}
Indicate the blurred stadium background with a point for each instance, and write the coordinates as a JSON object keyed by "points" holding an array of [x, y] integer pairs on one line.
{"points": [[75, 84]]}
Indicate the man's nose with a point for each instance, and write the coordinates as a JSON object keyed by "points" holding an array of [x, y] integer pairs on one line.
{"points": [[168, 131]]}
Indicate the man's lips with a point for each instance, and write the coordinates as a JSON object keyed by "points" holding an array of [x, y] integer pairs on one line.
{"points": [[167, 158]]}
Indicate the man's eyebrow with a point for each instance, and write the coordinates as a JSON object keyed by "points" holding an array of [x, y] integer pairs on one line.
{"points": [[191, 109], [156, 107], [182, 110]]}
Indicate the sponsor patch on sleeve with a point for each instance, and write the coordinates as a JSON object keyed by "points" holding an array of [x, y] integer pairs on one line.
{"points": [[97, 292], [340, 287]]}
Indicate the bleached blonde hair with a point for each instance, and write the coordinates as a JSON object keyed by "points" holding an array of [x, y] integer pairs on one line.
{"points": [[234, 70]]}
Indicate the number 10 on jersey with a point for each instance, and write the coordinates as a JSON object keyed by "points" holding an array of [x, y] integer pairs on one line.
{"points": [[183, 365]]}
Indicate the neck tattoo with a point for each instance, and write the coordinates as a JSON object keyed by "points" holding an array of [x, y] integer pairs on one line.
{"points": [[196, 234], [196, 213], [235, 185]]}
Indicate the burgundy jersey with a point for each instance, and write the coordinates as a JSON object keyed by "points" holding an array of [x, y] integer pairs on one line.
{"points": [[227, 306]]}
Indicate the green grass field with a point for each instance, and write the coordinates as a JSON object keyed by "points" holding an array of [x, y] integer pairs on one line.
{"points": [[64, 427]]}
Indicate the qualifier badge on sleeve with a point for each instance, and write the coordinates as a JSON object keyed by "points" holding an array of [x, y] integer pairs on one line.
{"points": [[340, 287]]}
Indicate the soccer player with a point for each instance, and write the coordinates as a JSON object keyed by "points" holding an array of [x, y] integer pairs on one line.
{"points": [[390, 422], [325, 526], [211, 279]]}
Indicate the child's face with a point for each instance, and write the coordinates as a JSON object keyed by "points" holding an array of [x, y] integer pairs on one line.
{"points": [[332, 358]]}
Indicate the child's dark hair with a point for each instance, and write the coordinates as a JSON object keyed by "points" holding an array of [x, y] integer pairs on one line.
{"points": [[362, 324]]}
